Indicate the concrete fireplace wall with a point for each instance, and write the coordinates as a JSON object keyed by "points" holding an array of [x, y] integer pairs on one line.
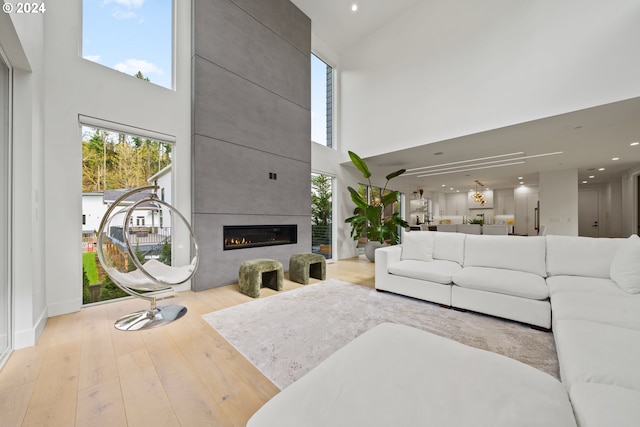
{"points": [[251, 120]]}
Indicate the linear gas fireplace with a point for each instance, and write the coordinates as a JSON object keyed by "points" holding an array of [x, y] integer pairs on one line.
{"points": [[253, 236]]}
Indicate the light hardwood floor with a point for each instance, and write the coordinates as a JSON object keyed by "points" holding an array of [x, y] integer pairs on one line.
{"points": [[85, 373]]}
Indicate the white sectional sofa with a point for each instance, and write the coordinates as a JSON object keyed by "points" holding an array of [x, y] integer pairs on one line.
{"points": [[586, 289]]}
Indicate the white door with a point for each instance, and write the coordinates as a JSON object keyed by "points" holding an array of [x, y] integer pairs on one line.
{"points": [[588, 207], [5, 209]]}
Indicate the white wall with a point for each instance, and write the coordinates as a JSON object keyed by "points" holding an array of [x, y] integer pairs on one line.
{"points": [[22, 37], [630, 201], [558, 195], [93, 90], [451, 68], [52, 86]]}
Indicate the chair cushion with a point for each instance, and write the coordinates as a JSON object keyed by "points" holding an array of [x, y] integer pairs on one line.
{"points": [[438, 271], [625, 267], [502, 281]]}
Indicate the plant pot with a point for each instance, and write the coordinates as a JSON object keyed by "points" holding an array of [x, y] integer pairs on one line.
{"points": [[370, 249]]}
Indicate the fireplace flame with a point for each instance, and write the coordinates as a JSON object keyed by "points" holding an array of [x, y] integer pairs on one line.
{"points": [[237, 241]]}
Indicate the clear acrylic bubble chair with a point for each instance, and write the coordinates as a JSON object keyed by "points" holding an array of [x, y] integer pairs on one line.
{"points": [[139, 238]]}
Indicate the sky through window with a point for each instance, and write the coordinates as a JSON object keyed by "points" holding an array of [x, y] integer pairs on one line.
{"points": [[130, 36]]}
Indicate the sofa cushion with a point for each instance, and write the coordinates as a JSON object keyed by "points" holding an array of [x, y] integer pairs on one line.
{"points": [[623, 311], [509, 282], [510, 252], [449, 246], [625, 267], [438, 271], [581, 256], [595, 285], [597, 353], [598, 405], [417, 245]]}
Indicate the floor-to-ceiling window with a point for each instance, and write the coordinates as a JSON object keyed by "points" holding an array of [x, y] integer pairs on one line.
{"points": [[5, 209]]}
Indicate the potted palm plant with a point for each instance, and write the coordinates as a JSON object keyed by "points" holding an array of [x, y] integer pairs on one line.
{"points": [[369, 217]]}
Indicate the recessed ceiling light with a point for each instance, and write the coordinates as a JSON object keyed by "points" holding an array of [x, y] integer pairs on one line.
{"points": [[635, 143], [600, 169], [591, 176], [354, 7], [520, 177], [443, 185], [615, 158], [451, 188], [584, 182], [521, 182]]}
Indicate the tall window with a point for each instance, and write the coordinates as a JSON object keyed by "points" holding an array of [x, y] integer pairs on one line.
{"points": [[321, 102], [321, 212], [131, 36], [112, 163]]}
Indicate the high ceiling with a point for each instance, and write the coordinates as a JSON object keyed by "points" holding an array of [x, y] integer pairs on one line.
{"points": [[585, 140]]}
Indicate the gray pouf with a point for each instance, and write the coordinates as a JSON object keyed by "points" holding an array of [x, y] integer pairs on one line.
{"points": [[303, 266], [255, 273]]}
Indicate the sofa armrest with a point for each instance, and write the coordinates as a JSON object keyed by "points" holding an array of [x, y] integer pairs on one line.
{"points": [[385, 256]]}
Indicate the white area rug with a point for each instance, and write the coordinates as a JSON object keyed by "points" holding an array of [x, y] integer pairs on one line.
{"points": [[288, 334]]}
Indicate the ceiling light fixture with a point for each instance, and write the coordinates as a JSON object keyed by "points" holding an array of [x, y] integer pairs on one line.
{"points": [[478, 196], [465, 161], [615, 158], [471, 167], [634, 143], [601, 169], [354, 7]]}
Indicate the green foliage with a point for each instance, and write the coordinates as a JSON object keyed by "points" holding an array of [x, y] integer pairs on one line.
{"points": [[112, 160], [86, 295], [141, 76], [110, 290], [320, 200], [371, 217], [165, 253], [90, 267]]}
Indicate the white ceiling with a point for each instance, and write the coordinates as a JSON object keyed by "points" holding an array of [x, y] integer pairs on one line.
{"points": [[588, 139], [335, 24]]}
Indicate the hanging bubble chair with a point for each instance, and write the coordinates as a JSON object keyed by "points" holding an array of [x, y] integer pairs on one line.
{"points": [[138, 240]]}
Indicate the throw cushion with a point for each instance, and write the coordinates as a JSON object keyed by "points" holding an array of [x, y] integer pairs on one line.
{"points": [[417, 245], [625, 267]]}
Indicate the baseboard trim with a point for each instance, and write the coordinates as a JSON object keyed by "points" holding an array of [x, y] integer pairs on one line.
{"points": [[29, 337]]}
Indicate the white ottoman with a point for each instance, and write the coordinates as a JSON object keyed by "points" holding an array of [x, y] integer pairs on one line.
{"points": [[395, 375]]}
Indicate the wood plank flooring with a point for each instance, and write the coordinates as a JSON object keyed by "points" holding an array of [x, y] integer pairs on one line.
{"points": [[85, 373]]}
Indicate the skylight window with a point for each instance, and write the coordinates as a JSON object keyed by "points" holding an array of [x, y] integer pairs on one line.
{"points": [[130, 36]]}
